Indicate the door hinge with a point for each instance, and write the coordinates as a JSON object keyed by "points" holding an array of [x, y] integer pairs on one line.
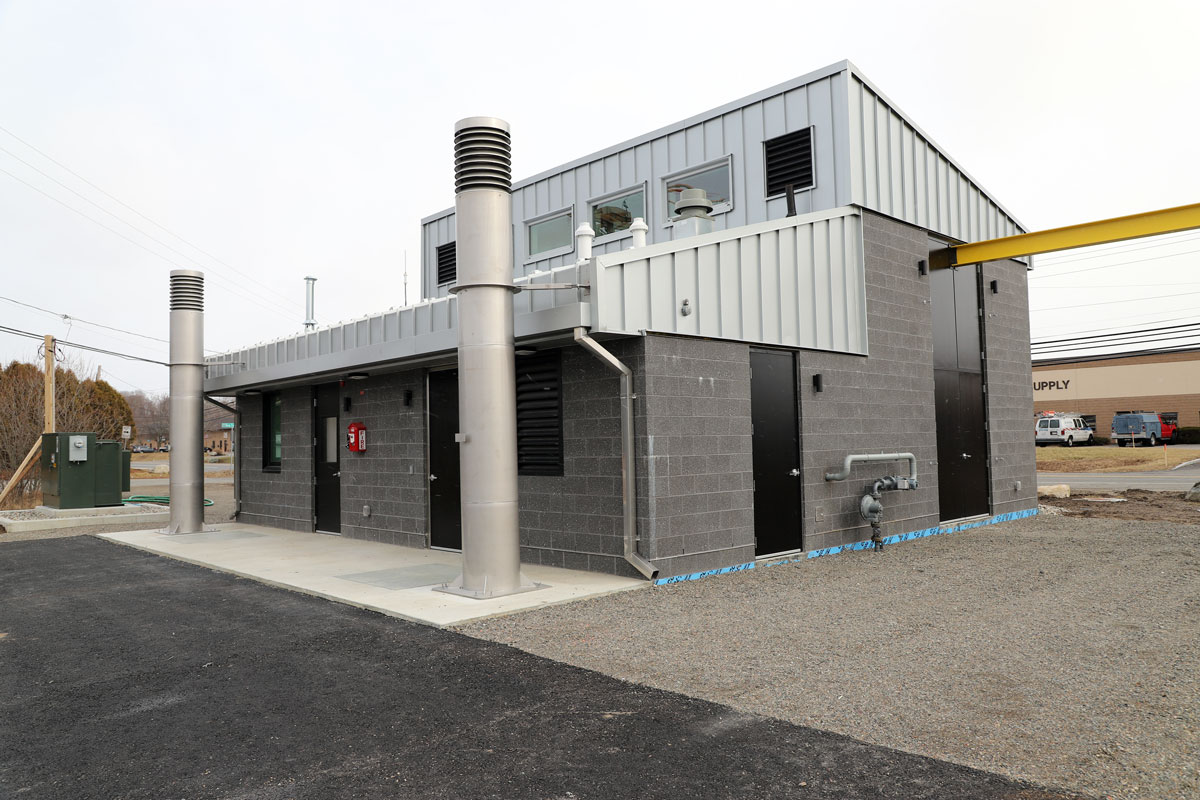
{"points": [[314, 441]]}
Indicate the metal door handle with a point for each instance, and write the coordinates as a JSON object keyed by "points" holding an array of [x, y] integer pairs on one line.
{"points": [[337, 474], [966, 455], [432, 477], [795, 473]]}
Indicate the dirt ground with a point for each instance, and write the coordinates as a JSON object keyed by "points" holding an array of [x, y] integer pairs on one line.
{"points": [[1112, 459], [1138, 504]]}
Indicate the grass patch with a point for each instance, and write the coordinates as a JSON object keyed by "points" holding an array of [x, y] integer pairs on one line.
{"points": [[1110, 459]]}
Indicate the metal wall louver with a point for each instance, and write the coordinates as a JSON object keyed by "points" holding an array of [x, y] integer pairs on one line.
{"points": [[789, 161], [446, 271], [539, 415]]}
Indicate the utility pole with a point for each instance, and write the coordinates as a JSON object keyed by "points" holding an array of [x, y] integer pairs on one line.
{"points": [[48, 345]]}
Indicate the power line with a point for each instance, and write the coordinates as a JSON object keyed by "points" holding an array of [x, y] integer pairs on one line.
{"points": [[1139, 319], [64, 343], [1112, 302], [1153, 339], [125, 205], [84, 321], [1120, 333], [279, 310], [1120, 248], [1111, 266]]}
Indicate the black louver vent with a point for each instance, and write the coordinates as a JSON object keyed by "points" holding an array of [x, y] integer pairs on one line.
{"points": [[789, 161], [445, 263], [539, 415]]}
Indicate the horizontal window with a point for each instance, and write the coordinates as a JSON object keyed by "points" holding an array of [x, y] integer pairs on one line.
{"points": [[616, 214], [551, 236], [716, 180]]}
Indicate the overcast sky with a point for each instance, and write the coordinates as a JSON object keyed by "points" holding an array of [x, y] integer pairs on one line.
{"points": [[266, 141]]}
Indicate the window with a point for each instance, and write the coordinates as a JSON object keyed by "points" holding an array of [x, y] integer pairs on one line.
{"points": [[789, 160], [1089, 420], [272, 431], [714, 179], [617, 213], [539, 415], [446, 270], [1170, 416], [551, 236]]}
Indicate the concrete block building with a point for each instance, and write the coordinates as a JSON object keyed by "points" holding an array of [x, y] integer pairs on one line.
{"points": [[763, 353]]}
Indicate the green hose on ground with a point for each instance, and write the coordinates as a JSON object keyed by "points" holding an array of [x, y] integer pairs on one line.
{"points": [[160, 499]]}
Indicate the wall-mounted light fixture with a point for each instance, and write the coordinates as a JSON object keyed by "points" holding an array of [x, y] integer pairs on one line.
{"points": [[526, 351], [408, 397], [358, 376], [685, 307], [995, 287], [922, 267], [252, 392], [818, 382]]}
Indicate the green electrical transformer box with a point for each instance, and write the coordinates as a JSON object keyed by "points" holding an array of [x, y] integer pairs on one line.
{"points": [[79, 471]]}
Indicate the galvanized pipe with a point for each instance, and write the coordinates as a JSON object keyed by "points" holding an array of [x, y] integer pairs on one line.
{"points": [[628, 470], [867, 458], [187, 402], [487, 391], [310, 320]]}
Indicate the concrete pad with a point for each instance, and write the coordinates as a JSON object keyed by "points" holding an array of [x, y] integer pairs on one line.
{"points": [[52, 519], [393, 580]]}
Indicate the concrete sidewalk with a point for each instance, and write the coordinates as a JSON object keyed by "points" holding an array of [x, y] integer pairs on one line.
{"points": [[393, 580]]}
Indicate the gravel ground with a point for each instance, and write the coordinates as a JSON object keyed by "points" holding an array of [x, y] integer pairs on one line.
{"points": [[220, 511], [1056, 650]]}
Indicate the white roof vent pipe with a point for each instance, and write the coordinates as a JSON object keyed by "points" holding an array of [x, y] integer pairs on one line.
{"points": [[309, 320], [693, 209], [639, 229]]}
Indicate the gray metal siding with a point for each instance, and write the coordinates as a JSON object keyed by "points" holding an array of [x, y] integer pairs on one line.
{"points": [[738, 132], [796, 281], [896, 170]]}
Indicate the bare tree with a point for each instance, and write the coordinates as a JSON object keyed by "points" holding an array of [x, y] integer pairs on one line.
{"points": [[84, 406]]}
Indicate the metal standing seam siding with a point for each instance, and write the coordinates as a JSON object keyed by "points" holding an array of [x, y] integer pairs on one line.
{"points": [[898, 171], [798, 282], [732, 131]]}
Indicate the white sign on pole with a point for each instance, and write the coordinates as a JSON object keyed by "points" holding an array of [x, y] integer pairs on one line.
{"points": [[126, 432]]}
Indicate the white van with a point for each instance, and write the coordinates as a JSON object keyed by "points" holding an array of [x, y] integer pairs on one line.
{"points": [[1068, 431]]}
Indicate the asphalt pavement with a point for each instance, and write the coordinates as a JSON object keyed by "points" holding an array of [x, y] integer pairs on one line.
{"points": [[127, 675], [1163, 481]]}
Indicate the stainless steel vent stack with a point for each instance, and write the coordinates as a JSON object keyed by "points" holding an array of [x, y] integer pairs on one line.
{"points": [[187, 402], [310, 321], [486, 379]]}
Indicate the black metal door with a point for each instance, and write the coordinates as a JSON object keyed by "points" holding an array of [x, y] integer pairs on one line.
{"points": [[445, 502], [961, 412], [327, 440], [775, 445]]}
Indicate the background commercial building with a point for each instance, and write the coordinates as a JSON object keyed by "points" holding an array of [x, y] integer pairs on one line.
{"points": [[1097, 387], [762, 353]]}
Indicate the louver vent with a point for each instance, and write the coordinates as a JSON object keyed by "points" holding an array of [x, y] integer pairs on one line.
{"points": [[789, 161], [445, 264], [539, 415]]}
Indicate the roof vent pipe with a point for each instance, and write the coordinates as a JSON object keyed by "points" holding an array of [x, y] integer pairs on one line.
{"points": [[692, 214], [309, 320], [487, 391], [638, 229], [187, 402]]}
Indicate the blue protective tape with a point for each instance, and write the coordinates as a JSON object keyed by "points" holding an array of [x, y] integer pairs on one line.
{"points": [[695, 576], [863, 545]]}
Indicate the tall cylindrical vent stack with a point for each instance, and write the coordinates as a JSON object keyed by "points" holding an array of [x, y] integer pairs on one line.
{"points": [[310, 321], [486, 378], [187, 402]]}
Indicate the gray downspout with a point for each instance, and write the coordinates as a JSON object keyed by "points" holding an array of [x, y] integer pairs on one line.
{"points": [[628, 473]]}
